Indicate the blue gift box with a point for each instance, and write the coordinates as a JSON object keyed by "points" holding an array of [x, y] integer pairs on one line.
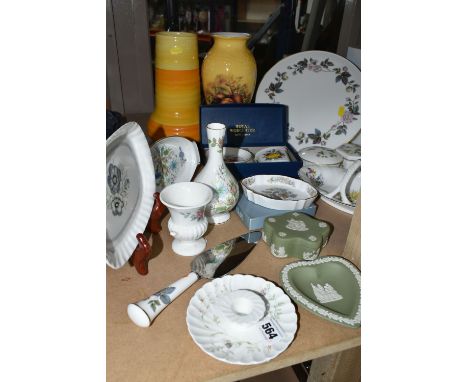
{"points": [[252, 126], [253, 215]]}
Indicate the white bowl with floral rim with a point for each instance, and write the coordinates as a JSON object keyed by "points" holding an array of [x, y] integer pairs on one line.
{"points": [[235, 155]]}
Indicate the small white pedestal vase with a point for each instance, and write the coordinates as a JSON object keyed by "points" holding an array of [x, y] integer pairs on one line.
{"points": [[186, 202], [216, 175]]}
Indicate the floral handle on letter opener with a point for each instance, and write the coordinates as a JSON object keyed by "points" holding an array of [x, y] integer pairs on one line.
{"points": [[143, 312]]}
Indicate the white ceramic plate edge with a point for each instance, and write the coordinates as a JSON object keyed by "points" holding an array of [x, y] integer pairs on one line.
{"points": [[124, 247]]}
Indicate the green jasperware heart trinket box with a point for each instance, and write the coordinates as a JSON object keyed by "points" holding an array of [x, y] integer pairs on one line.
{"points": [[295, 234]]}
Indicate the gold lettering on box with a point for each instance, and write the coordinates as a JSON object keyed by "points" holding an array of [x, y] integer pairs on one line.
{"points": [[241, 130]]}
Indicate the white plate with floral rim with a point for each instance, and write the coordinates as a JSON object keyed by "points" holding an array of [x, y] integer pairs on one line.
{"points": [[322, 91], [175, 160], [278, 192], [234, 328], [130, 191], [336, 202]]}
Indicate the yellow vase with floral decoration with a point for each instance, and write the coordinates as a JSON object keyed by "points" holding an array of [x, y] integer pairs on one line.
{"points": [[229, 70], [177, 87]]}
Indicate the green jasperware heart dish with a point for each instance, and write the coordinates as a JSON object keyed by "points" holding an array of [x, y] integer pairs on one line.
{"points": [[295, 234], [329, 287]]}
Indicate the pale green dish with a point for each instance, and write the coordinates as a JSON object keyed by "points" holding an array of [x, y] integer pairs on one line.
{"points": [[329, 287]]}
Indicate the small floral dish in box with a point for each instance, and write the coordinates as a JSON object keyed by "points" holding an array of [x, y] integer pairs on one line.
{"points": [[235, 155], [272, 154]]}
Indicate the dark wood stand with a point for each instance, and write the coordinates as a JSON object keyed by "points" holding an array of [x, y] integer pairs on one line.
{"points": [[141, 255]]}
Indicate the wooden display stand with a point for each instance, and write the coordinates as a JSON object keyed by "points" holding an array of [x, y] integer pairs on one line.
{"points": [[141, 255]]}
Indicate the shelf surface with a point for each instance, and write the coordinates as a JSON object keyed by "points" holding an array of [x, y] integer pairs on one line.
{"points": [[165, 351]]}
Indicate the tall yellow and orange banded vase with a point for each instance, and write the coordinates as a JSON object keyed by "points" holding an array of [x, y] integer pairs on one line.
{"points": [[177, 90]]}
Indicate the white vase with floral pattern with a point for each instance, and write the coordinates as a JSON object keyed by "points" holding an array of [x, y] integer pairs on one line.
{"points": [[216, 175]]}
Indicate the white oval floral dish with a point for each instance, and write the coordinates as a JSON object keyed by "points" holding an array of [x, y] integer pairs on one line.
{"points": [[322, 91], [129, 192], [272, 154], [241, 319], [329, 286], [278, 192], [175, 160]]}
